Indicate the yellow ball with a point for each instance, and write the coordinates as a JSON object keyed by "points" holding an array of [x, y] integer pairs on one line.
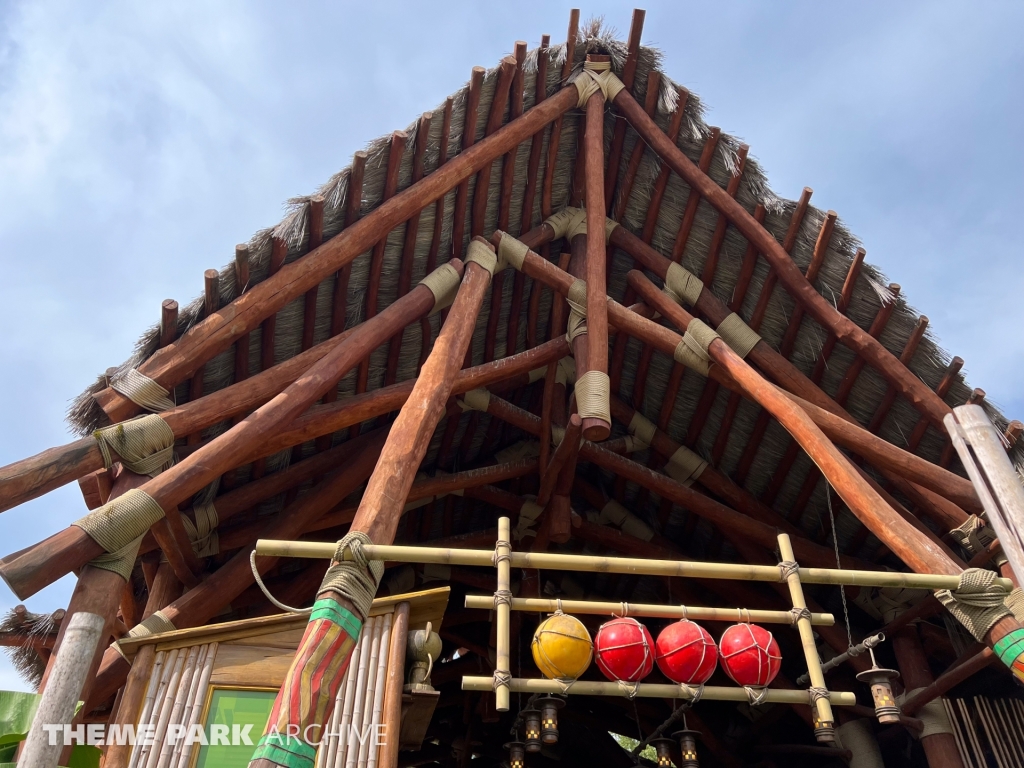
{"points": [[561, 647]]}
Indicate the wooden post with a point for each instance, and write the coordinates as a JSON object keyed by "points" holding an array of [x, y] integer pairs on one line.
{"points": [[981, 451], [57, 707], [939, 748]]}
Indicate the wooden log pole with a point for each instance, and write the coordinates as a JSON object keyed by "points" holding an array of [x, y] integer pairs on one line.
{"points": [[215, 333], [595, 428], [383, 502], [848, 332], [940, 748], [57, 706], [31, 569]]}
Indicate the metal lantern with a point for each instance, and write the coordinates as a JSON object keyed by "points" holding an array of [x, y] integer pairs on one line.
{"points": [[531, 724], [880, 681], [516, 754], [549, 706], [663, 747], [687, 748], [824, 730]]}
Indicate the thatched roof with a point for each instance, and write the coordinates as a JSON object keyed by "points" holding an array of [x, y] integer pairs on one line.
{"points": [[871, 290]]}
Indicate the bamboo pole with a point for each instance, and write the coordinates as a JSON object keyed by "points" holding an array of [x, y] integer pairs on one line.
{"points": [[378, 693], [847, 332], [166, 706], [198, 699], [362, 674], [178, 701], [652, 690], [502, 553], [31, 569], [696, 613], [371, 680], [392, 717], [215, 333], [639, 566], [339, 741], [161, 673], [824, 722], [145, 675], [57, 705]]}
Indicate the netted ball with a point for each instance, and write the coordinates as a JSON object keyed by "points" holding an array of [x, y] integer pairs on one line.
{"points": [[624, 650], [750, 655], [561, 647], [686, 653]]}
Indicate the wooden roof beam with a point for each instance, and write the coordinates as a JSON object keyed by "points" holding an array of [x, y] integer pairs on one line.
{"points": [[636, 30], [848, 332]]}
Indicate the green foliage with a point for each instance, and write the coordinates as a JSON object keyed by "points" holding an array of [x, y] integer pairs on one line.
{"points": [[629, 745]]}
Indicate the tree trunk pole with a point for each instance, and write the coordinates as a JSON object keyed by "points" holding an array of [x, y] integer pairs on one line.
{"points": [[939, 748], [57, 707]]}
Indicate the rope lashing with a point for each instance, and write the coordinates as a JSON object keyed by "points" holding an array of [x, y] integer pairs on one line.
{"points": [[569, 222], [355, 579], [799, 613], [693, 692], [684, 466], [203, 534], [755, 695], [481, 253], [512, 251], [814, 694], [616, 514], [142, 390], [642, 428], [475, 400], [692, 350], [557, 435], [503, 597], [268, 595], [576, 298], [593, 393], [118, 527], [144, 444], [565, 372], [788, 568], [502, 679], [977, 602], [737, 334], [634, 444], [682, 285], [1015, 602], [444, 283], [932, 715], [597, 76], [524, 449], [502, 553], [528, 514], [155, 624], [975, 536]]}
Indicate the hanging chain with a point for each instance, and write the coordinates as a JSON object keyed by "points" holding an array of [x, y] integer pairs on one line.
{"points": [[835, 544]]}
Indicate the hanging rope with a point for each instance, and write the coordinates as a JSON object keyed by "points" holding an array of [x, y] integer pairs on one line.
{"points": [[266, 591]]}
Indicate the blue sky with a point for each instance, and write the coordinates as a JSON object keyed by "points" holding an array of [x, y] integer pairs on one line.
{"points": [[140, 141]]}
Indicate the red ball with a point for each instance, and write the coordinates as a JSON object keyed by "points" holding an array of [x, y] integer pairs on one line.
{"points": [[686, 653], [750, 655], [624, 650]]}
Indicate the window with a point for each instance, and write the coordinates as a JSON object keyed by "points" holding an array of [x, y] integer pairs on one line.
{"points": [[231, 707]]}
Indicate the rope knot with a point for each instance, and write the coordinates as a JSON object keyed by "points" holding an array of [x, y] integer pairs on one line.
{"points": [[799, 613], [788, 568]]}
